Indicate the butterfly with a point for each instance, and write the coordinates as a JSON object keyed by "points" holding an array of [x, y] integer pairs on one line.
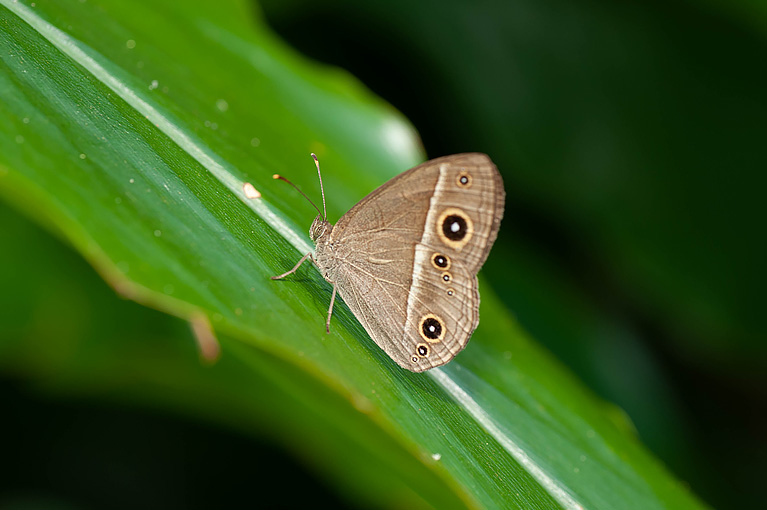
{"points": [[405, 258]]}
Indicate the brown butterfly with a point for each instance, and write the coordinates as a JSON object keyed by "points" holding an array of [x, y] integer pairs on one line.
{"points": [[405, 258]]}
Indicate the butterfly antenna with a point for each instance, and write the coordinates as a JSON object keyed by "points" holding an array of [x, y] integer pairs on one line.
{"points": [[322, 189], [278, 176]]}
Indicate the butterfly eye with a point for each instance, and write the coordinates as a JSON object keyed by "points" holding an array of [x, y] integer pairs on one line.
{"points": [[463, 180], [440, 261]]}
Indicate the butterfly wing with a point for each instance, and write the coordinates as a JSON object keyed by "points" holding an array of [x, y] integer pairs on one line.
{"points": [[409, 252]]}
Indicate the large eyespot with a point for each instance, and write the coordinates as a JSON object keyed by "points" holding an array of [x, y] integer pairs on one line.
{"points": [[454, 227], [463, 180], [422, 350], [431, 328], [440, 261]]}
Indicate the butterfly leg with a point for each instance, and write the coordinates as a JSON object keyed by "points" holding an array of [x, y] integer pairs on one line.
{"points": [[295, 268], [330, 310]]}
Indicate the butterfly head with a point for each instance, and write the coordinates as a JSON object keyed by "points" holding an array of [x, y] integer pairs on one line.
{"points": [[320, 227]]}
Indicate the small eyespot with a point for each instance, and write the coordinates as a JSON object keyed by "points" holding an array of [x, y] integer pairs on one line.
{"points": [[463, 180], [414, 359], [450, 291], [440, 261], [431, 328], [422, 350], [447, 276]]}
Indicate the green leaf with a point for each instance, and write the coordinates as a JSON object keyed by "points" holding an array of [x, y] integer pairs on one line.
{"points": [[131, 130]]}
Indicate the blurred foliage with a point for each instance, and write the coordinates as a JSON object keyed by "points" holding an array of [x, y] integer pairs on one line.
{"points": [[83, 439], [131, 131]]}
